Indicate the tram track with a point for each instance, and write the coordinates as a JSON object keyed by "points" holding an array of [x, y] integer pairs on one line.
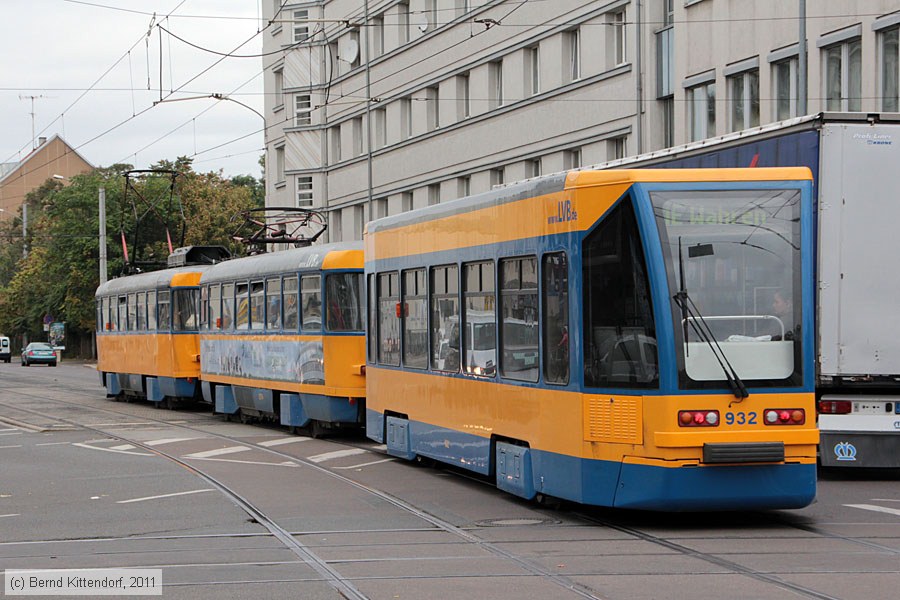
{"points": [[329, 574]]}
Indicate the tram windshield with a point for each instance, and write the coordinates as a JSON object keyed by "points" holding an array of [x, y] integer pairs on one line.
{"points": [[735, 257]]}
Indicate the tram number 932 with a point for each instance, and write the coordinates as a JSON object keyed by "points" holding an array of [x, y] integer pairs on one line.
{"points": [[740, 418]]}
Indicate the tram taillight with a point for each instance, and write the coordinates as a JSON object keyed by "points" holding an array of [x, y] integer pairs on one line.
{"points": [[698, 418], [784, 416]]}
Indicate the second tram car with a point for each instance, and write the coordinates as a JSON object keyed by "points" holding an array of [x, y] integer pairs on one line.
{"points": [[282, 337], [638, 339]]}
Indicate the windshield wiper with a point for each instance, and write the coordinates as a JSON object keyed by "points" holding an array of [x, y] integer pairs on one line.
{"points": [[690, 316]]}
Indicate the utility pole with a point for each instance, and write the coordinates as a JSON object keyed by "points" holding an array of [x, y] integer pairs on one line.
{"points": [[102, 240]]}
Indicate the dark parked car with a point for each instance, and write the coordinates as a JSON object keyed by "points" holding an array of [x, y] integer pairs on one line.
{"points": [[38, 353]]}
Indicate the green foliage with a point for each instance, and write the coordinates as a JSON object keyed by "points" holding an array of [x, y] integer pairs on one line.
{"points": [[60, 274]]}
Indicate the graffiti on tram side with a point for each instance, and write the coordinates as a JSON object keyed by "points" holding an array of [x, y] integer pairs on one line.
{"points": [[272, 360]]}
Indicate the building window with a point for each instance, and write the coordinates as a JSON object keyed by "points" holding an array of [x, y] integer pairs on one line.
{"points": [[571, 56], [355, 57], [785, 83], [378, 36], [406, 201], [616, 148], [381, 208], [301, 26], [433, 99], [519, 333], [302, 110], [464, 187], [890, 70], [465, 101], [668, 113], [572, 159], [406, 118], [702, 110], [495, 83], [403, 21], [279, 165], [744, 91], [336, 226], [357, 126], [380, 117], [843, 76], [615, 44], [359, 221], [497, 176], [434, 194], [304, 192], [335, 143], [668, 12], [533, 69], [279, 87], [534, 168]]}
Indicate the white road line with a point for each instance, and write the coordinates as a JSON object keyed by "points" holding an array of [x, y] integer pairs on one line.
{"points": [[12, 515], [12, 433], [115, 424], [168, 441], [336, 454], [164, 496], [286, 463], [885, 500], [380, 447], [282, 441], [368, 464], [19, 446], [890, 511], [54, 444], [89, 447], [9, 429], [218, 452], [122, 447]]}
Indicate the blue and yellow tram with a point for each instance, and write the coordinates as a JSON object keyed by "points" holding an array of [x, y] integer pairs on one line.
{"points": [[282, 336], [147, 338], [639, 339]]}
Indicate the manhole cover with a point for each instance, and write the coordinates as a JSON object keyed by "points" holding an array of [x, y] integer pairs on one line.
{"points": [[513, 522]]}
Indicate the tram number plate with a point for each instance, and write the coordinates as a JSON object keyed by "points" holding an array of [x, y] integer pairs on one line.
{"points": [[740, 418]]}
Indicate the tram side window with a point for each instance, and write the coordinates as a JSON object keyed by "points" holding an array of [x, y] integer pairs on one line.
{"points": [[479, 320], [291, 309], [215, 307], [142, 311], [151, 310], [556, 317], [204, 308], [311, 300], [105, 322], [132, 313], [519, 332], [184, 311], [343, 295], [257, 305], [227, 306], [163, 299], [415, 319], [114, 313], [619, 332], [273, 304], [445, 318], [371, 338], [388, 319], [242, 305]]}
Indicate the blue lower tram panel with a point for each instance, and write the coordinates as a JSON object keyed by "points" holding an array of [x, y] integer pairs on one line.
{"points": [[526, 472]]}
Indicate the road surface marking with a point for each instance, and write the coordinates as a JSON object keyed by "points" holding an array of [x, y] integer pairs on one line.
{"points": [[122, 447], [12, 433], [368, 464], [19, 446], [218, 452], [282, 441], [164, 496], [890, 511], [12, 515], [9, 429], [885, 500], [336, 454], [54, 444], [117, 424], [89, 447], [286, 463], [168, 441]]}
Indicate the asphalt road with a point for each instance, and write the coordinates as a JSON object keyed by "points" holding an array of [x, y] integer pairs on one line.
{"points": [[239, 511]]}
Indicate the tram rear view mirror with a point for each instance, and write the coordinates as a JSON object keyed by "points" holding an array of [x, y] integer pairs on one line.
{"points": [[700, 250]]}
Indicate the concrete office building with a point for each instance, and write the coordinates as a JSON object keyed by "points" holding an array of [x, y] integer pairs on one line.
{"points": [[377, 107]]}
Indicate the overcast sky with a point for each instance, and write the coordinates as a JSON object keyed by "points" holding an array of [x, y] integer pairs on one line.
{"points": [[89, 64]]}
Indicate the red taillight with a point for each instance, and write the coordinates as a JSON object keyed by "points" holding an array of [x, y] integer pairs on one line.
{"points": [[698, 418], [835, 407], [784, 416]]}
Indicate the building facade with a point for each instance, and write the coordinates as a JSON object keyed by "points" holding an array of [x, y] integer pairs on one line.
{"points": [[381, 106]]}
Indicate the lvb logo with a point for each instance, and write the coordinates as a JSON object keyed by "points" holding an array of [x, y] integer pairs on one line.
{"points": [[845, 451]]}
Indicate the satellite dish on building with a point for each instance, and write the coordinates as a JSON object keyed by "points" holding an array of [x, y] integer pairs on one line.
{"points": [[349, 51], [422, 23]]}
